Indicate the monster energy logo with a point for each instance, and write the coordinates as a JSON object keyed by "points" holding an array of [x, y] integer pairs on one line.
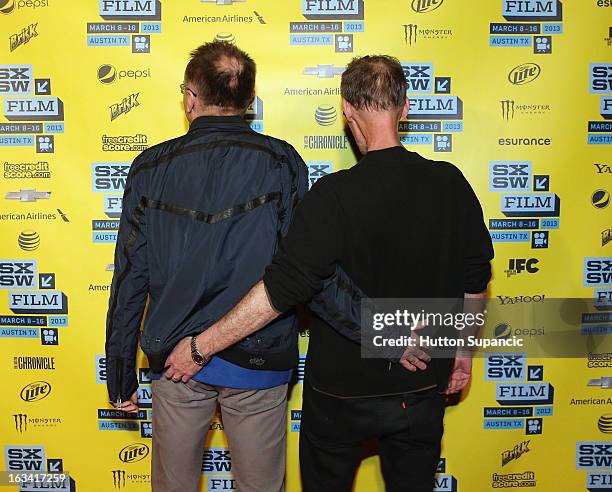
{"points": [[507, 109], [410, 33], [21, 422], [118, 478]]}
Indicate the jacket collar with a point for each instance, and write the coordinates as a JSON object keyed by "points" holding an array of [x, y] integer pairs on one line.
{"points": [[215, 121]]}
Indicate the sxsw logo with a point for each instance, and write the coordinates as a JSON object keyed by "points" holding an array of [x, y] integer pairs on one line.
{"points": [[531, 10], [317, 170], [216, 460], [130, 9], [25, 458], [18, 273], [600, 78], [510, 175], [507, 367], [594, 455], [419, 77], [332, 9], [524, 394], [109, 176], [16, 79], [101, 369], [598, 272]]}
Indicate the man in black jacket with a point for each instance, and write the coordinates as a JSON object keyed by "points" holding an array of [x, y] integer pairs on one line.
{"points": [[202, 217], [400, 226]]}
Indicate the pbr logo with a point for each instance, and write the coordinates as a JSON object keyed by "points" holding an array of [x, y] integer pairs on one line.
{"points": [[25, 458], [598, 272], [22, 274], [125, 106], [23, 37], [109, 176], [524, 73], [35, 391], [133, 453], [425, 6], [593, 455]]}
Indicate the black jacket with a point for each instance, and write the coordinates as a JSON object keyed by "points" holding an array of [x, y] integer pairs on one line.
{"points": [[202, 217]]}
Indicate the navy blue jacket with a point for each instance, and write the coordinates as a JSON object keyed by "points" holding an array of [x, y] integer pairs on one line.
{"points": [[202, 217]]}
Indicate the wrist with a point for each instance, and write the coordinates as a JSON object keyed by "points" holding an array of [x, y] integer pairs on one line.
{"points": [[204, 345]]}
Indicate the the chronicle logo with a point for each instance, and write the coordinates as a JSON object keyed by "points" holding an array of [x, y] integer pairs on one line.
{"points": [[125, 106], [107, 74], [23, 36], [35, 391], [133, 453], [515, 453], [326, 115], [524, 73], [424, 6], [8, 6]]}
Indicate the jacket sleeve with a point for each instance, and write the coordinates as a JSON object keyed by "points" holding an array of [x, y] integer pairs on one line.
{"points": [[129, 292], [299, 186]]}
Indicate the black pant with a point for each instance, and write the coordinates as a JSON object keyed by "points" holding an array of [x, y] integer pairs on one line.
{"points": [[333, 430]]}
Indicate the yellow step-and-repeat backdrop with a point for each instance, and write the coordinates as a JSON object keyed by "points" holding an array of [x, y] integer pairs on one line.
{"points": [[517, 93]]}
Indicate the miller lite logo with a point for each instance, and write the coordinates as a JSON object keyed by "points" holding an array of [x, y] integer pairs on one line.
{"points": [[133, 453], [35, 391]]}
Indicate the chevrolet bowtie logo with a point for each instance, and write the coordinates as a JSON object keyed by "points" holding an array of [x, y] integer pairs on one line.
{"points": [[605, 382], [324, 71], [28, 195], [222, 2], [110, 267]]}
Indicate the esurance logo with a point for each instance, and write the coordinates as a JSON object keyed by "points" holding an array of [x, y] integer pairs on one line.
{"points": [[598, 272], [532, 10], [130, 9], [18, 273], [332, 9], [593, 455], [35, 391], [424, 6], [109, 176], [16, 80], [524, 73], [133, 453]]}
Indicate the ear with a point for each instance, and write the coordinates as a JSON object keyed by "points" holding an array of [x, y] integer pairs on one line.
{"points": [[405, 109], [348, 109]]}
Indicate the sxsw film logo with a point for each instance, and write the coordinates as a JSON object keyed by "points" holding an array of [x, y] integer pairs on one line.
{"points": [[515, 453], [524, 394], [598, 272], [506, 367], [532, 10], [217, 466], [317, 170], [524, 73], [130, 10], [21, 274], [125, 106], [600, 83], [517, 266], [594, 455], [109, 176], [444, 482], [23, 37], [107, 74], [25, 458], [133, 453], [35, 391], [332, 9]]}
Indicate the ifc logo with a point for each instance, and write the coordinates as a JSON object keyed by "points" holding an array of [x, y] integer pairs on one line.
{"points": [[35, 391], [604, 424], [424, 6], [600, 199], [107, 74], [7, 6], [326, 115], [28, 240], [227, 37]]}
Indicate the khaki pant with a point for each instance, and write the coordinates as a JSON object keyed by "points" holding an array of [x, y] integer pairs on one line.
{"points": [[255, 422]]}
